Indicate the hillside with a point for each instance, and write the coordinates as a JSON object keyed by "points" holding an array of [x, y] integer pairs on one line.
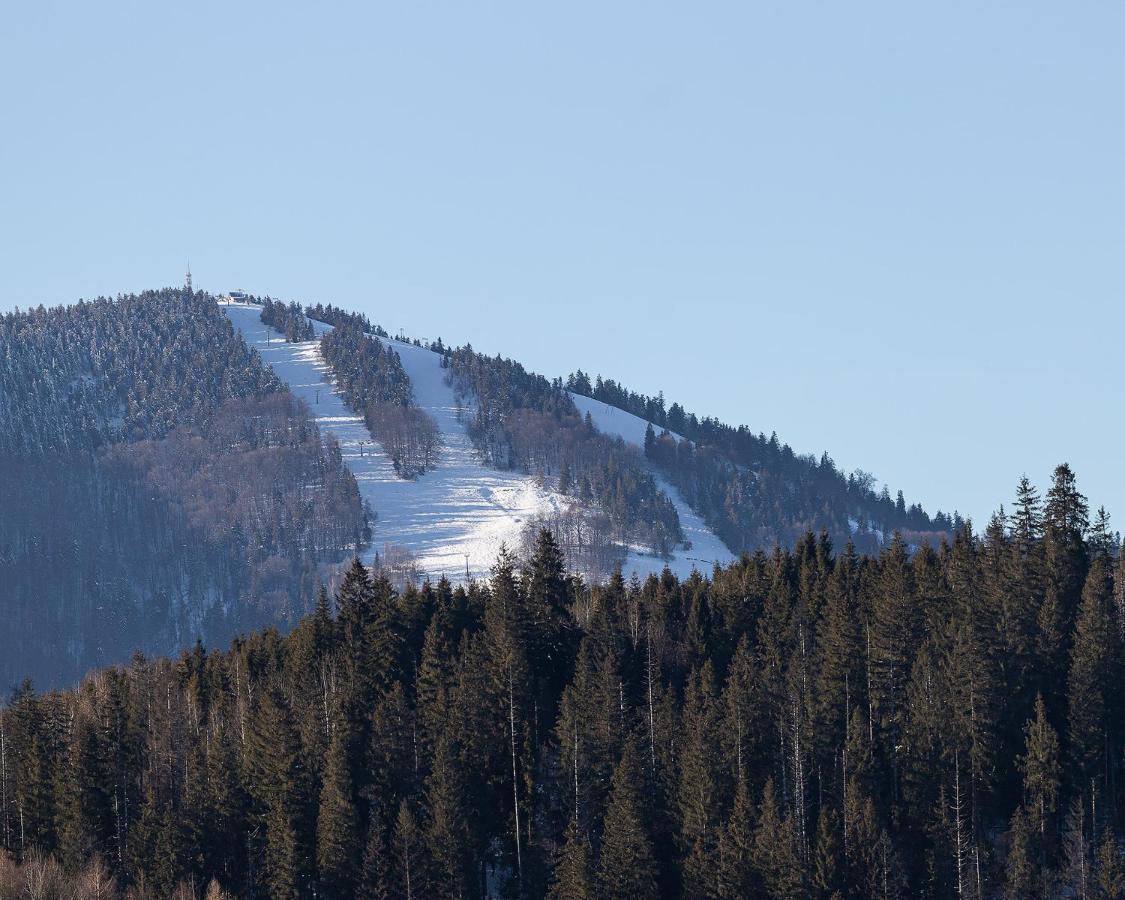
{"points": [[217, 461], [510, 441], [158, 485], [455, 517], [460, 509]]}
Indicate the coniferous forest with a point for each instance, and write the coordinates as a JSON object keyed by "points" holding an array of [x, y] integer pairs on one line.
{"points": [[157, 484], [933, 721]]}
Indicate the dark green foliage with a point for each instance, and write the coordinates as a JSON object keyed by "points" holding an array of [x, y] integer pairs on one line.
{"points": [[534, 736], [572, 879], [337, 825], [333, 315], [627, 868]]}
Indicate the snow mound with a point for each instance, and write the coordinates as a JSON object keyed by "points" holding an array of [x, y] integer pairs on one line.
{"points": [[454, 518]]}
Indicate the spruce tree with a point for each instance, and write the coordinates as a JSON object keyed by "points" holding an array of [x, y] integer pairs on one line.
{"points": [[627, 868], [1021, 870], [1110, 871], [409, 878], [827, 877], [446, 832], [1090, 677], [774, 857], [571, 878], [1039, 765], [337, 827], [736, 874], [278, 785], [506, 636], [1066, 560], [376, 872], [697, 793]]}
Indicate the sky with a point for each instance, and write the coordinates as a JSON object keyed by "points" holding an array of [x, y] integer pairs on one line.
{"points": [[892, 231]]}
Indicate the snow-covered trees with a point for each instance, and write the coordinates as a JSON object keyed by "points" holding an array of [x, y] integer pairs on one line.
{"points": [[289, 319], [158, 485]]}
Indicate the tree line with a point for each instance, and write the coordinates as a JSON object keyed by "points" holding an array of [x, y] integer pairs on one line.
{"points": [[371, 379], [333, 315], [289, 319], [519, 420], [936, 721], [753, 490]]}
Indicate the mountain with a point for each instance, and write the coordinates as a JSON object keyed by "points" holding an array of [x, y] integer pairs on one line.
{"points": [[179, 468], [702, 492]]}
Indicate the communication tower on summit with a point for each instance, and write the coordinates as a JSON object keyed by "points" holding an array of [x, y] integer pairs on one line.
{"points": [[187, 278]]}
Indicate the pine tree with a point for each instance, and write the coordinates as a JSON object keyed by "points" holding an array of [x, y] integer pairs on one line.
{"points": [[337, 828], [1077, 861], [696, 798], [627, 868], [1021, 870], [434, 680], [838, 657], [1110, 872], [1065, 564], [409, 862], [893, 640], [549, 623], [1091, 669], [506, 639], [827, 879], [566, 480], [571, 879], [86, 823], [736, 848], [1040, 768], [446, 834], [375, 882], [773, 855], [278, 785]]}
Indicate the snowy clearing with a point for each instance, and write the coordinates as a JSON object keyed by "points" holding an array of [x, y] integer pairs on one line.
{"points": [[456, 516]]}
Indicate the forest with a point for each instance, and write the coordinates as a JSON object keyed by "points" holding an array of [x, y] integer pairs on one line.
{"points": [[519, 420], [288, 319], [159, 484], [753, 490], [940, 721]]}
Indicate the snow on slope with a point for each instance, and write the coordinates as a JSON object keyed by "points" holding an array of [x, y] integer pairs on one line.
{"points": [[461, 508], [706, 547]]}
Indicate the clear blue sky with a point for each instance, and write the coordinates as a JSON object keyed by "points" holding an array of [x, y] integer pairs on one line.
{"points": [[894, 231]]}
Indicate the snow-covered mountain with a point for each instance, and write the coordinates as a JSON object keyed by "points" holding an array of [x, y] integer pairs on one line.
{"points": [[454, 518]]}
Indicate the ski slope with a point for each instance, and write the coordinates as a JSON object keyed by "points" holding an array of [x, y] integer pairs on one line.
{"points": [[454, 518], [706, 547]]}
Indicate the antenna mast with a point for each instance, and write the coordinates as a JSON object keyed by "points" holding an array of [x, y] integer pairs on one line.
{"points": [[187, 278]]}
